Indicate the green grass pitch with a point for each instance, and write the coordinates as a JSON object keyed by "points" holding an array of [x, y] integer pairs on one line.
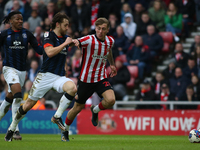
{"points": [[98, 142]]}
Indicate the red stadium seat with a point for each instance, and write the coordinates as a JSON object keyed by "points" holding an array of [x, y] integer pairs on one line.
{"points": [[123, 58], [167, 37], [134, 74], [133, 71], [165, 48]]}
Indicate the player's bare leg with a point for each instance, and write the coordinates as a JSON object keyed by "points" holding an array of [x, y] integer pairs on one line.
{"points": [[107, 102], [70, 89], [69, 119]]}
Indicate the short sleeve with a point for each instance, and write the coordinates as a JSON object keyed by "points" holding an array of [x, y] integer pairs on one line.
{"points": [[47, 40]]}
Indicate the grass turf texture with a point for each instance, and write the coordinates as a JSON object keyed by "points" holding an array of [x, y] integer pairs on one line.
{"points": [[98, 142]]}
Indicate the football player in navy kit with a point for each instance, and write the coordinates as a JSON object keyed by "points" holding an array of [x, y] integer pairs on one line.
{"points": [[15, 42], [51, 75]]}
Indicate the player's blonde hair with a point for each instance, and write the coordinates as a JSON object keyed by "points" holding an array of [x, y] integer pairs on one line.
{"points": [[101, 21]]}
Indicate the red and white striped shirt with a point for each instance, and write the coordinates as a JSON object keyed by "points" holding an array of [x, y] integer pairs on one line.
{"points": [[94, 58]]}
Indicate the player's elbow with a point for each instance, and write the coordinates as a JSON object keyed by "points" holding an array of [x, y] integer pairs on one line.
{"points": [[49, 54]]}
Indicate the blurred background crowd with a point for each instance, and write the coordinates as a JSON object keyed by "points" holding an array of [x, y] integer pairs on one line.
{"points": [[147, 33]]}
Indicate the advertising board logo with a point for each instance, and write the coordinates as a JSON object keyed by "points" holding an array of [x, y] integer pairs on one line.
{"points": [[106, 124]]}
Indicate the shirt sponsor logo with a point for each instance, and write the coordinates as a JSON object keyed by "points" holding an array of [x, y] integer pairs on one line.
{"points": [[16, 45]]}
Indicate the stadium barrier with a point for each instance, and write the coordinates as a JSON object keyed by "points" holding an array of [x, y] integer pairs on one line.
{"points": [[129, 104]]}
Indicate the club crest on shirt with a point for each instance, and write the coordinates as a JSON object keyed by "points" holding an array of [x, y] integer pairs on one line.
{"points": [[24, 35], [46, 34]]}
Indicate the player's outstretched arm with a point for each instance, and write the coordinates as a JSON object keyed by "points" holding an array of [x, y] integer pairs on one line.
{"points": [[112, 64], [52, 51]]}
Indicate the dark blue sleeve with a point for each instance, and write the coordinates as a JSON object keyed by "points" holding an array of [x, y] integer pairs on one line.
{"points": [[35, 45]]}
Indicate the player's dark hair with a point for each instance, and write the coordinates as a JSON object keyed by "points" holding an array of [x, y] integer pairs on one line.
{"points": [[9, 16], [101, 21], [58, 18]]}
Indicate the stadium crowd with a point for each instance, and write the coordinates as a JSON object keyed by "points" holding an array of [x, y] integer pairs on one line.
{"points": [[136, 26]]}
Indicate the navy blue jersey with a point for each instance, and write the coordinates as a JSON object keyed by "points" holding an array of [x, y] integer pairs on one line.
{"points": [[55, 64], [15, 46]]}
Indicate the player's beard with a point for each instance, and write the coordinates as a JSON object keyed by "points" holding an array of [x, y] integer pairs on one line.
{"points": [[63, 32]]}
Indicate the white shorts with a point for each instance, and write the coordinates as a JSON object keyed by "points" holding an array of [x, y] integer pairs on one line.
{"points": [[45, 82], [13, 76]]}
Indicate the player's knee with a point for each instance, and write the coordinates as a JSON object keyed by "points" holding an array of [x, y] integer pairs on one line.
{"points": [[70, 88], [111, 101]]}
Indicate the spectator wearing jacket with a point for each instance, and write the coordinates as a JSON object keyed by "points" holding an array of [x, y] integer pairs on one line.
{"points": [[121, 42], [119, 81], [143, 23], [138, 55], [194, 45], [153, 40], [196, 86], [146, 93], [170, 70], [157, 14], [180, 56], [178, 84], [191, 68], [188, 96], [173, 21]]}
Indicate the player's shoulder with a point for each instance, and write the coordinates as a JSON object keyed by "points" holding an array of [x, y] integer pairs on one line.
{"points": [[48, 34], [110, 37], [84, 38]]}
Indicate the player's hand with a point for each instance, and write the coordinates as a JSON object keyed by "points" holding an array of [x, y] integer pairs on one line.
{"points": [[68, 41], [76, 42], [113, 71]]}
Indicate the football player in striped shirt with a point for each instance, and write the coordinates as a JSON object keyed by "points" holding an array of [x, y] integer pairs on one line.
{"points": [[96, 50], [51, 75], [15, 42]]}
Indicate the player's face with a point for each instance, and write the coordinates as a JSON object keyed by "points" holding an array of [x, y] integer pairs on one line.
{"points": [[101, 31], [64, 27], [16, 22]]}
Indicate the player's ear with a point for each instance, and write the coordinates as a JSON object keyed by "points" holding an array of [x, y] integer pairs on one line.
{"points": [[57, 24]]}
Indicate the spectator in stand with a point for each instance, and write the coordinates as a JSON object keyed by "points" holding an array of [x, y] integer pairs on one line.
{"points": [[47, 24], [68, 7], [157, 14], [190, 69], [153, 40], [53, 96], [132, 3], [39, 34], [157, 83], [76, 62], [178, 84], [119, 81], [138, 55], [113, 24], [197, 2], [34, 21], [93, 8], [165, 95], [33, 70], [146, 93], [48, 11], [188, 96], [129, 26], [26, 25], [60, 4], [80, 18], [27, 10], [194, 45], [139, 9], [167, 2], [180, 56], [125, 9], [187, 9], [107, 7], [14, 5], [170, 70], [30, 56], [197, 59], [173, 21], [142, 25], [196, 86], [121, 44]]}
